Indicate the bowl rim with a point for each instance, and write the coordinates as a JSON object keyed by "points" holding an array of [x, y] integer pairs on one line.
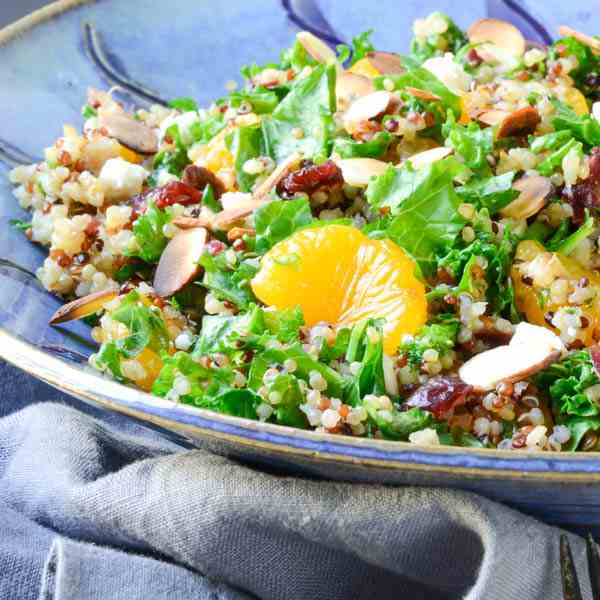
{"points": [[188, 420], [91, 386]]}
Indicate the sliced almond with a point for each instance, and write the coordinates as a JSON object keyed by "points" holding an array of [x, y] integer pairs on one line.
{"points": [[428, 157], [519, 122], [422, 94], [316, 48], [135, 135], [530, 350], [287, 166], [368, 107], [192, 222], [500, 33], [492, 117], [527, 333], [179, 261], [584, 38], [358, 171], [349, 87], [226, 218], [82, 307], [387, 63], [534, 191]]}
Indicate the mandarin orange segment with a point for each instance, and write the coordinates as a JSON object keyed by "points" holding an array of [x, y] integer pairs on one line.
{"points": [[533, 299], [337, 274]]}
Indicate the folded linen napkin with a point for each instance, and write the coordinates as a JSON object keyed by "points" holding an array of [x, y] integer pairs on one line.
{"points": [[90, 509]]}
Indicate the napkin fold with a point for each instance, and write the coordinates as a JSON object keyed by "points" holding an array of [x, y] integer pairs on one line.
{"points": [[89, 511]]}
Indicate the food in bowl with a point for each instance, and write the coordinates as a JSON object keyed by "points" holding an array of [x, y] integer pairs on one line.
{"points": [[354, 242]]}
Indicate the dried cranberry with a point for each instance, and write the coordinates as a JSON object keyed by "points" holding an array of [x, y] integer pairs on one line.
{"points": [[215, 247], [176, 192], [581, 196], [440, 395], [310, 178], [473, 58], [200, 177]]}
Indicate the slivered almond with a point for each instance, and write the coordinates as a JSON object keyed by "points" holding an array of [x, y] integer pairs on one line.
{"points": [[366, 108], [82, 307], [288, 165], [236, 233], [316, 48], [132, 134], [531, 349], [349, 87], [534, 191], [492, 117], [192, 222], [500, 33], [358, 171], [179, 261], [422, 94], [584, 38], [519, 122], [428, 157], [227, 218], [387, 63]]}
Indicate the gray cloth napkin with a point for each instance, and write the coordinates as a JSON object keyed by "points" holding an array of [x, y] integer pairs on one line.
{"points": [[90, 512]]}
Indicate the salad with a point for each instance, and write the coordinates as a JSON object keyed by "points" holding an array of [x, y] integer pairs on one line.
{"points": [[356, 242]]}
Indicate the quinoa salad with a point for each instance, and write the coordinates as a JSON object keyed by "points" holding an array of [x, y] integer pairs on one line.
{"points": [[357, 242]]}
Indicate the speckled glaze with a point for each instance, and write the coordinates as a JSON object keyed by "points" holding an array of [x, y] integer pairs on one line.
{"points": [[47, 61]]}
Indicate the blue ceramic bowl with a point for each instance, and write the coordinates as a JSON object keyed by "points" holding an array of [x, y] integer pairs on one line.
{"points": [[47, 62]]}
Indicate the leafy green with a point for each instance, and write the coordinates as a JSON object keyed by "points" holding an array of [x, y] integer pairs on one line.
{"points": [[246, 142], [184, 104], [493, 192], [146, 329], [287, 410], [229, 282], [549, 141], [20, 224], [579, 426], [398, 425], [148, 230], [422, 79], [587, 62], [497, 253], [438, 336], [552, 162], [376, 147], [566, 382], [176, 159], [209, 200], [284, 324], [295, 57], [572, 241], [424, 207], [361, 46], [584, 128], [305, 364], [206, 129], [338, 348], [366, 346], [88, 112], [308, 109], [261, 99], [209, 388], [279, 219], [471, 142], [437, 44]]}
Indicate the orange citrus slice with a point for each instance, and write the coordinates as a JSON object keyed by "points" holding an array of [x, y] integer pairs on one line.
{"points": [[337, 274]]}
